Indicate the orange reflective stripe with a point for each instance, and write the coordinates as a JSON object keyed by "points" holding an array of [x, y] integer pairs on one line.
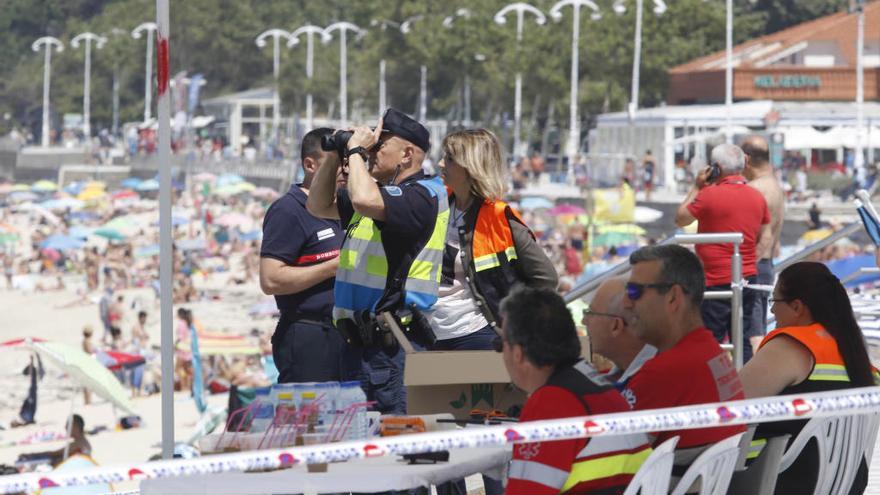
{"points": [[492, 232]]}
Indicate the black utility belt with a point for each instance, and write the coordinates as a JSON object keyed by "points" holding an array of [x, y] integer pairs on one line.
{"points": [[303, 317], [365, 330]]}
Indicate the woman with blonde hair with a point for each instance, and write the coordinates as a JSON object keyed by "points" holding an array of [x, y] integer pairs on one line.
{"points": [[489, 249]]}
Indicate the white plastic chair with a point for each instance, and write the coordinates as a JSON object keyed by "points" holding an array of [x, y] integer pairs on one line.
{"points": [[714, 468], [842, 442], [653, 476]]}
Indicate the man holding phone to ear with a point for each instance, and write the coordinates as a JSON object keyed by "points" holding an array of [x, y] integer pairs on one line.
{"points": [[722, 201]]}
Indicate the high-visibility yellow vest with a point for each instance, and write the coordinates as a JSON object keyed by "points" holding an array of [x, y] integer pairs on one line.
{"points": [[362, 275]]}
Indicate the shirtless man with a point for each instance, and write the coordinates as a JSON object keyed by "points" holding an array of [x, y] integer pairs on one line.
{"points": [[762, 177]]}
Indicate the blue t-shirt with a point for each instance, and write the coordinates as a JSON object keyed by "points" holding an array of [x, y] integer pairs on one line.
{"points": [[410, 214], [295, 237]]}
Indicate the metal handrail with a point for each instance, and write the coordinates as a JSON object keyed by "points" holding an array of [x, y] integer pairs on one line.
{"points": [[817, 246], [735, 294]]}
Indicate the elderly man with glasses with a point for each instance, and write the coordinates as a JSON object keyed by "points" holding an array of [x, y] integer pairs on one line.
{"points": [[663, 294], [541, 352], [611, 337]]}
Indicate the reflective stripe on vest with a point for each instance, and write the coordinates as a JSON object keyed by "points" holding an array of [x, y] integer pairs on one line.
{"points": [[492, 236], [607, 466], [363, 264], [536, 472], [829, 366], [755, 447]]}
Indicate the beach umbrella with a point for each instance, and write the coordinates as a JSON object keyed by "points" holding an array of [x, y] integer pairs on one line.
{"points": [[131, 182], [229, 179], [22, 196], [82, 368], [20, 187], [614, 239], [566, 209], [233, 219], [63, 204], [61, 242], [74, 188], [264, 193], [96, 184], [815, 235], [535, 203], [116, 361], [204, 177], [246, 187], [148, 185], [79, 232], [147, 251], [191, 244], [5, 188], [110, 234], [44, 186], [621, 228], [91, 194], [125, 194], [254, 235]]}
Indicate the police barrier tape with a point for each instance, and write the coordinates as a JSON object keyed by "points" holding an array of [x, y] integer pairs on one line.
{"points": [[852, 401]]}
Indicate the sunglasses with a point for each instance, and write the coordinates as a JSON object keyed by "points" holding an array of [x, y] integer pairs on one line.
{"points": [[590, 312], [635, 291]]}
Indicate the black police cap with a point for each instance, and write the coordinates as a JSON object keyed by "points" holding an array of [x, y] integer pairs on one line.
{"points": [[399, 124]]}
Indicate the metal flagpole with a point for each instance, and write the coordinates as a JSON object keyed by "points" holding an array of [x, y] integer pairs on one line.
{"points": [[165, 261], [149, 27], [48, 41]]}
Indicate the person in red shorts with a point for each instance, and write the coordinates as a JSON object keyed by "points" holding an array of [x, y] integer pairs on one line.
{"points": [[541, 352], [663, 297]]}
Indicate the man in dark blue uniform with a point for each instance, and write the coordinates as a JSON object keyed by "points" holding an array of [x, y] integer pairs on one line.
{"points": [[386, 188], [298, 261]]}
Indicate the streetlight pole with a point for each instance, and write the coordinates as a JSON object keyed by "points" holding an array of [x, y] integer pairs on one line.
{"points": [[383, 97], [150, 28], [276, 34], [343, 27], [858, 160], [405, 28], [115, 89], [620, 8], [728, 76], [99, 42], [47, 41], [501, 18], [310, 31], [574, 137], [448, 23]]}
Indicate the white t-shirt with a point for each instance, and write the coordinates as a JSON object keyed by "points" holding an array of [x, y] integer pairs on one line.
{"points": [[455, 314]]}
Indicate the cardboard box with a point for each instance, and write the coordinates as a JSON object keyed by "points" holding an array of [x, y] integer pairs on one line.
{"points": [[458, 381]]}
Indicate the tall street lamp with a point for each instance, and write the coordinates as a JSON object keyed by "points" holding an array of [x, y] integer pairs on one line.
{"points": [[405, 28], [310, 31], [574, 132], [88, 38], [448, 23], [501, 18], [150, 28], [343, 28], [47, 41], [858, 159], [115, 125], [383, 24], [276, 35], [620, 9]]}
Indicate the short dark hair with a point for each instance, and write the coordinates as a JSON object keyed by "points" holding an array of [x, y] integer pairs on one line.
{"points": [[539, 321], [678, 265], [311, 143], [142, 314], [757, 151]]}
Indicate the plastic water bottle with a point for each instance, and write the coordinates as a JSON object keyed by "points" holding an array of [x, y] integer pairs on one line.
{"points": [[351, 393], [327, 394], [264, 412]]}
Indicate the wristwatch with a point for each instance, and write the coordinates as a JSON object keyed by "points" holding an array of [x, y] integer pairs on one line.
{"points": [[359, 150]]}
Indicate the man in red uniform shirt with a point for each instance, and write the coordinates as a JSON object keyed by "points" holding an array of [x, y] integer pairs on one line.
{"points": [[663, 297], [722, 201], [542, 355]]}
